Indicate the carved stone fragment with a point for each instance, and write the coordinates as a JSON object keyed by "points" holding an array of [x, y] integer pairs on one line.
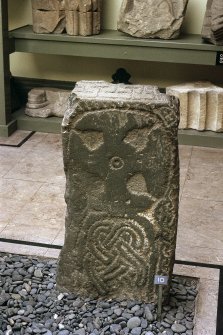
{"points": [[152, 18], [78, 17], [122, 183], [201, 105], [83, 17], [44, 102], [48, 16], [85, 23], [72, 4], [212, 29], [72, 22]]}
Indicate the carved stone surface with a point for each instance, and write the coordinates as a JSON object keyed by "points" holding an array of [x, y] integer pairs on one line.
{"points": [[83, 17], [212, 29], [121, 164], [44, 102], [77, 17], [152, 18], [48, 16], [201, 105]]}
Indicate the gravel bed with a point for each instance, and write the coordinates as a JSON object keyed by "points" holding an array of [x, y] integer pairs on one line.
{"points": [[30, 304]]}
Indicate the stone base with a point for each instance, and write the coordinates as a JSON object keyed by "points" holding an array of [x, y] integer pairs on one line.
{"points": [[53, 105], [122, 182]]}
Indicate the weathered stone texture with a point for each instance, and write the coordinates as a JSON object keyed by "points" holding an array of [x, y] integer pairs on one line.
{"points": [[77, 17], [201, 105], [121, 165], [152, 18], [44, 102], [48, 16], [83, 17], [212, 29]]}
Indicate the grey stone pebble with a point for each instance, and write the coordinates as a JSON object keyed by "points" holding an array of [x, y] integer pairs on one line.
{"points": [[135, 308], [38, 273], [178, 328], [133, 322], [126, 315], [148, 314], [118, 311], [189, 325], [64, 332], [120, 319], [168, 331], [136, 331], [115, 328], [144, 323], [165, 324], [180, 316], [79, 332]]}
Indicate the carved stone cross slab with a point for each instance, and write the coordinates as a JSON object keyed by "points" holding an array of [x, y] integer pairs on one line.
{"points": [[122, 182]]}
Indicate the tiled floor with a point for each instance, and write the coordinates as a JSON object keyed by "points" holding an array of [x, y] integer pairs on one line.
{"points": [[32, 206]]}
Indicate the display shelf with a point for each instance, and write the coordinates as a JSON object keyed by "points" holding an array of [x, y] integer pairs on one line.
{"points": [[53, 125], [188, 49], [47, 125]]}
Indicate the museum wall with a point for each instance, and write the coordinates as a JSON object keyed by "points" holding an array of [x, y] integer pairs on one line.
{"points": [[77, 68]]}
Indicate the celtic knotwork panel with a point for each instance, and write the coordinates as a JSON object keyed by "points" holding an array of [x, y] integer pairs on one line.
{"points": [[117, 254], [121, 166]]}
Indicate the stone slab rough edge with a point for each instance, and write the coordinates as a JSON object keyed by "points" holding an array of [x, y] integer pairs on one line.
{"points": [[152, 18], [86, 265], [212, 29]]}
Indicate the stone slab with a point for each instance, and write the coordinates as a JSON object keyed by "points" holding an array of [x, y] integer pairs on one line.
{"points": [[201, 105], [121, 164], [152, 18]]}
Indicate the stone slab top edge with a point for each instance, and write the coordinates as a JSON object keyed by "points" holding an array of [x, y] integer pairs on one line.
{"points": [[198, 86], [97, 95]]}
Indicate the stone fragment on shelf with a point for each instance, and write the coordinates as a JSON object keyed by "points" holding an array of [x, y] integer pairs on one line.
{"points": [[48, 16], [201, 105], [83, 17], [44, 102], [212, 29], [85, 23], [152, 18], [72, 22]]}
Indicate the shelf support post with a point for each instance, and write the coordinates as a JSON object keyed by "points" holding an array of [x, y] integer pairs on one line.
{"points": [[7, 125]]}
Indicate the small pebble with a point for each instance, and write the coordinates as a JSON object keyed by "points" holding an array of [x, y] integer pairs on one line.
{"points": [[133, 322], [178, 328]]}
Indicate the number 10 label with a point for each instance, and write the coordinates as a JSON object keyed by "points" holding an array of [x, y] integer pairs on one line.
{"points": [[161, 280]]}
